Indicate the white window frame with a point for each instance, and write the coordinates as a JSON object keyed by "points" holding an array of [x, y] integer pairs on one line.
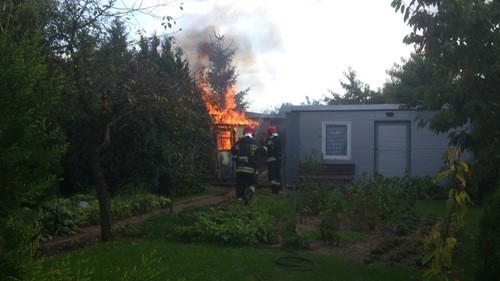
{"points": [[323, 140]]}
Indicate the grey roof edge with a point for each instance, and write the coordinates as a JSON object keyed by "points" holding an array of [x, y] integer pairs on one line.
{"points": [[347, 107]]}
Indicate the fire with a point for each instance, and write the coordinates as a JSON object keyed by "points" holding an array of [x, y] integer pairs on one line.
{"points": [[228, 114], [226, 119]]}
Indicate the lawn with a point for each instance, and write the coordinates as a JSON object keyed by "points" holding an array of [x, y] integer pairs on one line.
{"points": [[164, 260], [149, 255]]}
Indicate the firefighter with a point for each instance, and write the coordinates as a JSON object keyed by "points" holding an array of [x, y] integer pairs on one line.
{"points": [[273, 146], [247, 151]]}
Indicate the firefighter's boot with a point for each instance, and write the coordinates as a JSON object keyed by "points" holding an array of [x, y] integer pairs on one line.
{"points": [[249, 191]]}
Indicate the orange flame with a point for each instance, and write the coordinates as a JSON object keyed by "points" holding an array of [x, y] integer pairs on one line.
{"points": [[227, 115], [224, 140]]}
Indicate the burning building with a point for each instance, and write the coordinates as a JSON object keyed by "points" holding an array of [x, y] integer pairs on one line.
{"points": [[227, 128]]}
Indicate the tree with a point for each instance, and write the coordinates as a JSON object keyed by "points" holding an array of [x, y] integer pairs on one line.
{"points": [[30, 146], [180, 122], [221, 72], [455, 72], [278, 110], [99, 87], [356, 92]]}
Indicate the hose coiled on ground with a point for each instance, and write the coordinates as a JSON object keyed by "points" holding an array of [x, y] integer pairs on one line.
{"points": [[295, 262]]}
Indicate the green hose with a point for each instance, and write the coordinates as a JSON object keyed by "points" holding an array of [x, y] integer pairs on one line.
{"points": [[295, 262]]}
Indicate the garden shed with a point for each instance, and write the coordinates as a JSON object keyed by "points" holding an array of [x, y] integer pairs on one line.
{"points": [[379, 138]]}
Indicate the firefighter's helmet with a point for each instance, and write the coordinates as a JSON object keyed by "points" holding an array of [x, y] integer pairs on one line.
{"points": [[272, 129], [248, 130]]}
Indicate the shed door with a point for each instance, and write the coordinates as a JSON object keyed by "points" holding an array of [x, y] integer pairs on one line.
{"points": [[392, 148]]}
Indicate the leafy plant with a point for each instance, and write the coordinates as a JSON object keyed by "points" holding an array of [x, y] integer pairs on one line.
{"points": [[330, 226], [315, 196], [58, 220], [18, 248], [488, 242], [442, 239], [235, 227], [310, 165], [379, 200]]}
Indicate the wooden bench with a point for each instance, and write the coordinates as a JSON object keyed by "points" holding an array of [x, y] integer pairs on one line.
{"points": [[332, 172]]}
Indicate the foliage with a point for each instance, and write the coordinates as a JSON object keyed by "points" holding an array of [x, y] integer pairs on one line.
{"points": [[57, 220], [66, 215], [121, 106], [381, 200], [439, 244], [409, 223], [294, 241], [432, 189], [330, 225], [30, 147], [315, 196], [488, 242], [237, 227], [356, 92], [221, 71], [30, 144], [311, 165], [455, 72], [315, 193], [19, 247], [279, 109]]}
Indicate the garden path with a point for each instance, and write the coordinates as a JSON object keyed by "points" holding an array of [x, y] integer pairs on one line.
{"points": [[91, 234]]}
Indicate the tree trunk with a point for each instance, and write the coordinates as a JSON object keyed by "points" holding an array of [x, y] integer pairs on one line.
{"points": [[100, 184]]}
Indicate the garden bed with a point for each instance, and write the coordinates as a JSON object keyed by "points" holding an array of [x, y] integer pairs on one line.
{"points": [[369, 246], [91, 234]]}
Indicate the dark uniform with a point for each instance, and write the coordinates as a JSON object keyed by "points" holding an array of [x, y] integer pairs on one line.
{"points": [[247, 152], [273, 159]]}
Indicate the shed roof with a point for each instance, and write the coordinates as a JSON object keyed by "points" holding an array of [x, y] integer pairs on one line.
{"points": [[347, 107]]}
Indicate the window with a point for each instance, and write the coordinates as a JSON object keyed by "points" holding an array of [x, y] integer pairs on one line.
{"points": [[336, 140]]}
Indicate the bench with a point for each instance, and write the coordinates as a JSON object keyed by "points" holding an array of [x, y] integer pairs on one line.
{"points": [[340, 172]]}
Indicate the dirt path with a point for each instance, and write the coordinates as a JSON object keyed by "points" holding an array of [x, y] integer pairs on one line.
{"points": [[91, 234]]}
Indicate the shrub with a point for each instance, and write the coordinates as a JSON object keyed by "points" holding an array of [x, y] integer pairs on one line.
{"points": [[315, 196], [311, 165], [239, 226], [19, 247], [381, 200], [330, 227], [57, 219], [488, 243], [65, 216]]}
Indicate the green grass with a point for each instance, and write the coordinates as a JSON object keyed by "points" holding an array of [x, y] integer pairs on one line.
{"points": [[209, 190], [149, 254], [351, 236], [177, 261], [438, 208]]}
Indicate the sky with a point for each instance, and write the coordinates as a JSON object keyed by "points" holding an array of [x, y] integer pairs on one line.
{"points": [[287, 50]]}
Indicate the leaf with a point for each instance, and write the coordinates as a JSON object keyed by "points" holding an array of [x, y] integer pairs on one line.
{"points": [[407, 14], [436, 266], [427, 258], [446, 253], [451, 241]]}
